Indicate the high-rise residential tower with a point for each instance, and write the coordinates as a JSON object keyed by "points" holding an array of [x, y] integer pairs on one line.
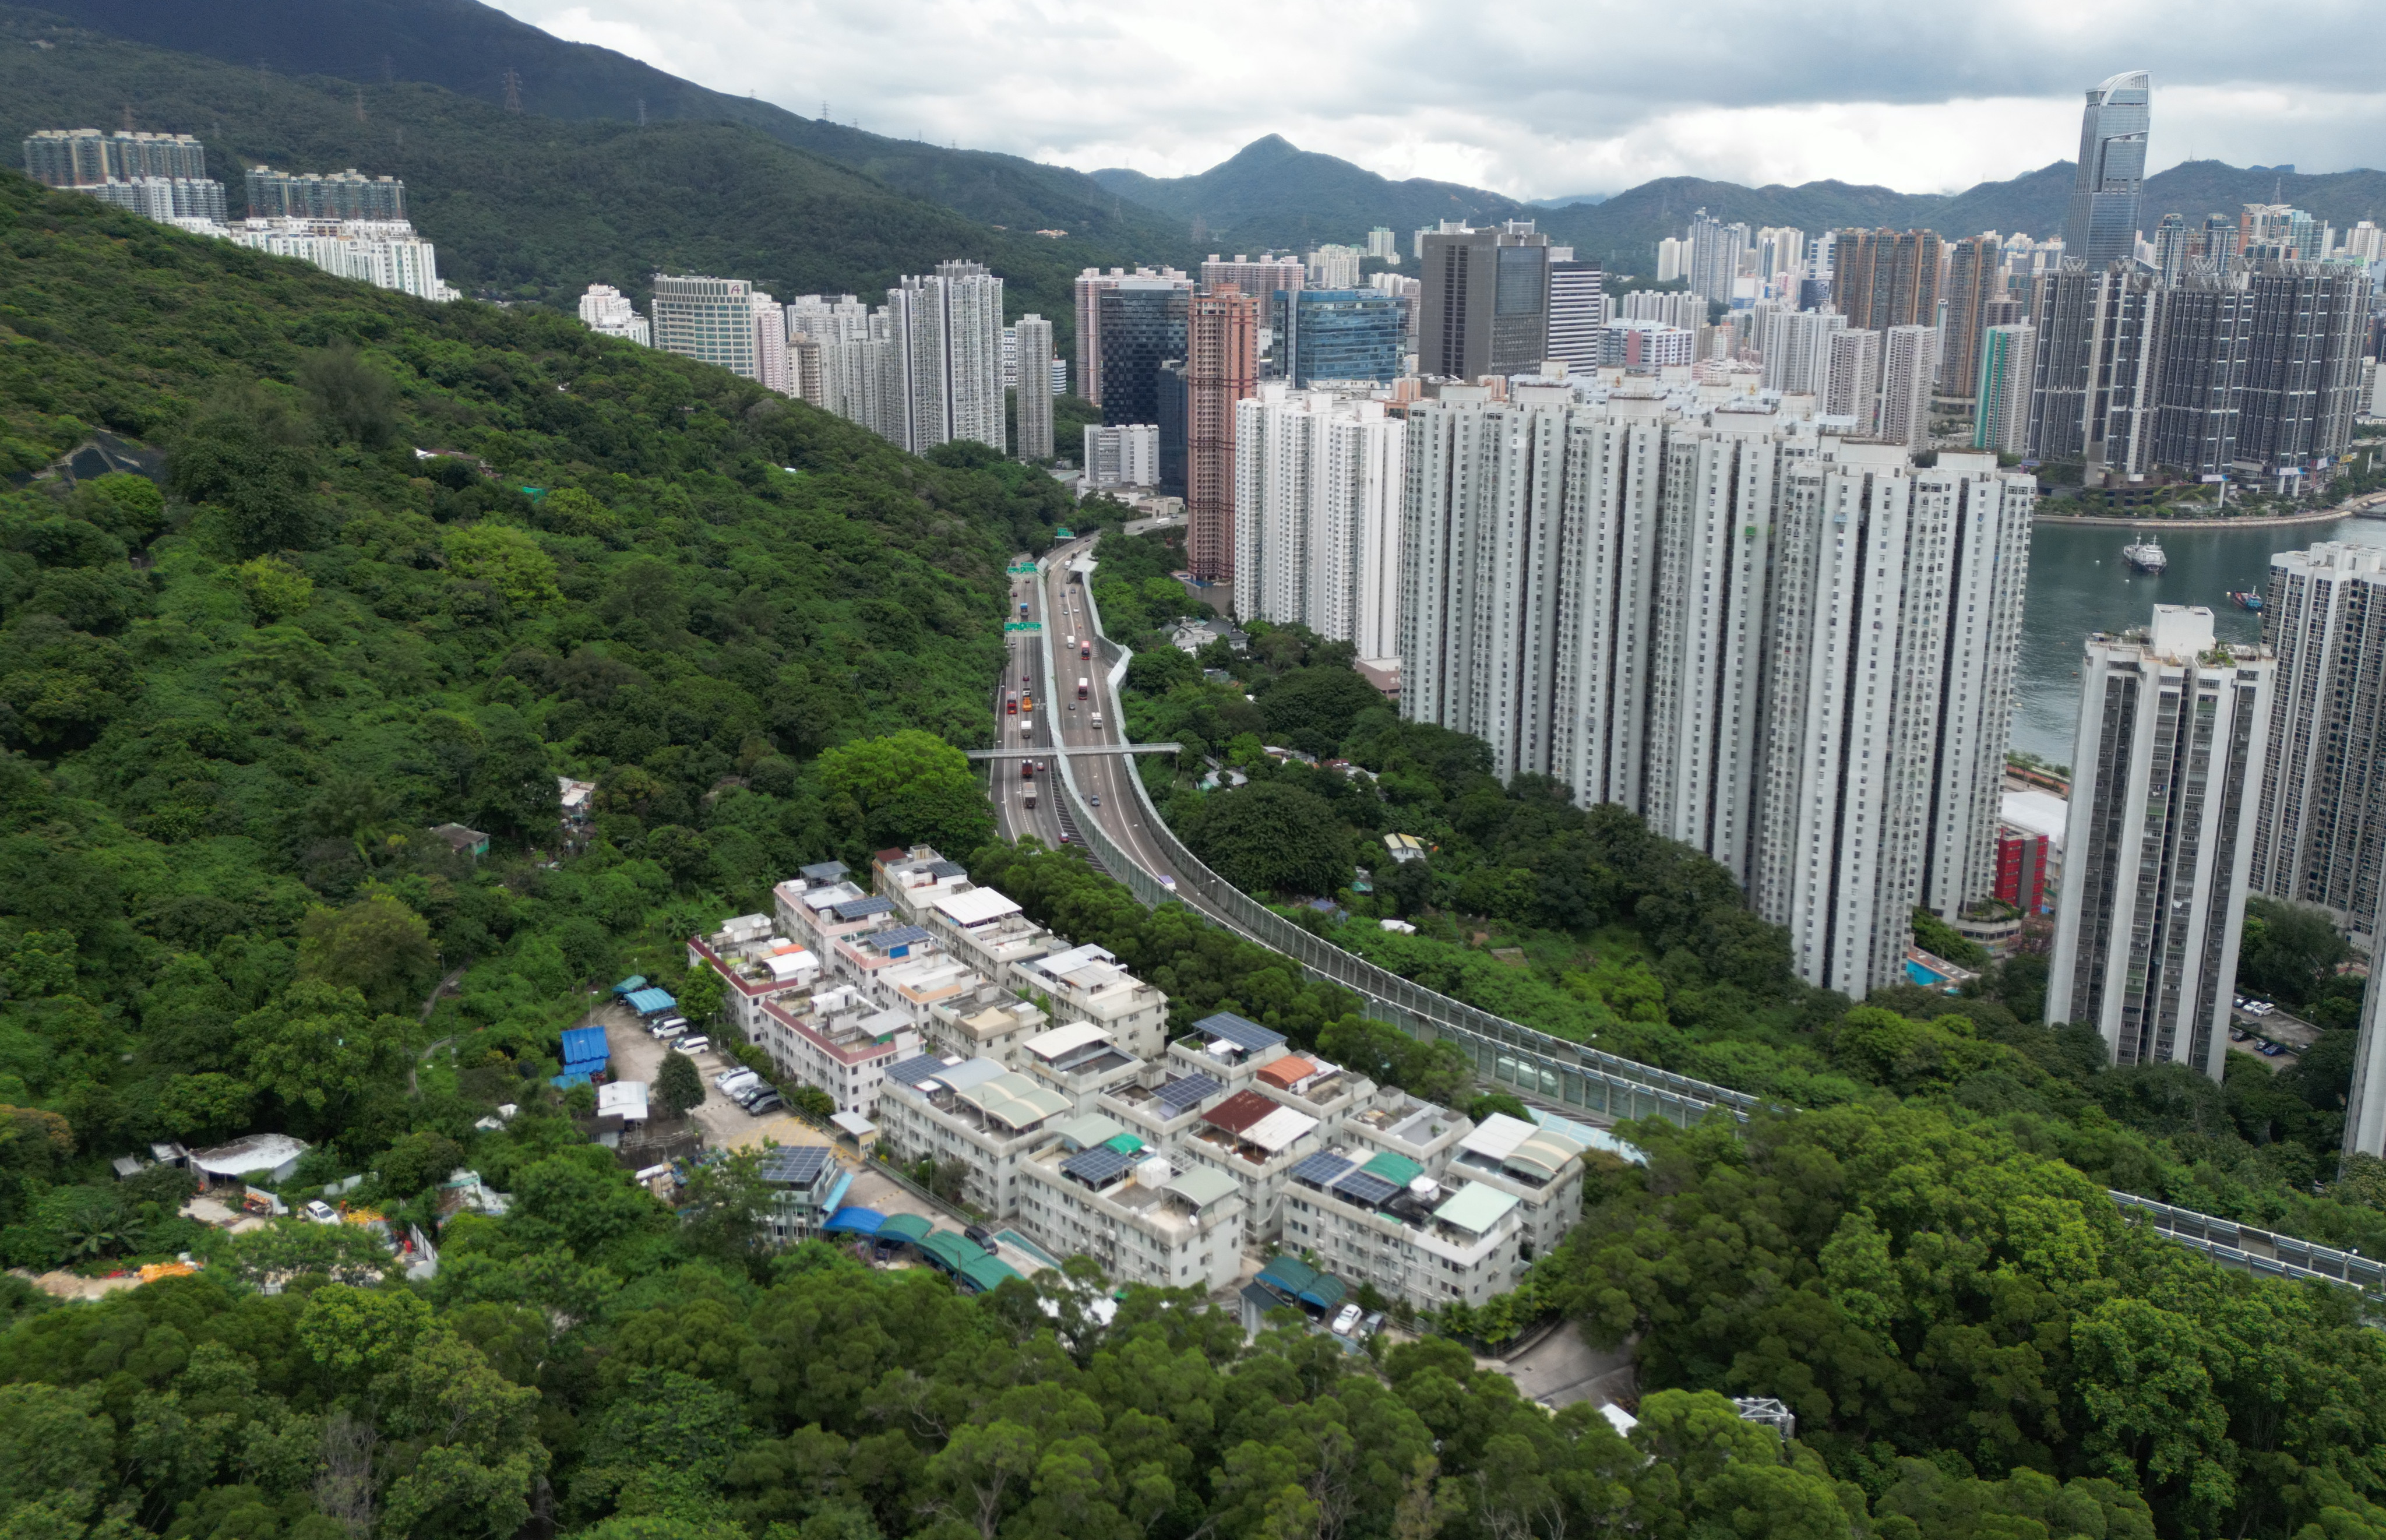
{"points": [[1885, 278], [2321, 836], [1793, 652], [1908, 361], [947, 335], [2099, 341], [1852, 380], [609, 312], [2163, 810], [1716, 252], [1317, 515], [1975, 281], [1222, 367], [1032, 401], [2107, 196], [2171, 244], [2001, 389], [1487, 296], [1577, 310], [1798, 351], [710, 319]]}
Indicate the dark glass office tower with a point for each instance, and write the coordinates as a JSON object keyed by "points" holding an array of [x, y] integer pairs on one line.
{"points": [[1143, 326], [2105, 201]]}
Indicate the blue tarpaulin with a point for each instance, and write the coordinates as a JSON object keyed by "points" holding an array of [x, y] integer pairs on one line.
{"points": [[650, 1002], [585, 1046], [569, 1078], [853, 1222]]}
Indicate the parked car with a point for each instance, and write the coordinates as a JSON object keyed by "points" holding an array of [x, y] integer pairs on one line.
{"points": [[1371, 1325], [735, 1078], [983, 1236], [693, 1044], [321, 1212], [1348, 1318], [2238, 1035], [771, 1103], [667, 1034], [659, 1023], [2272, 1050]]}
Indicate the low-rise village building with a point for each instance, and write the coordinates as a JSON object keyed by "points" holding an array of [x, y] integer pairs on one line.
{"points": [[754, 964], [1086, 984], [973, 1111], [1078, 1060], [1099, 1190], [838, 1041], [991, 1023], [1539, 1167], [1257, 1142], [1377, 1218]]}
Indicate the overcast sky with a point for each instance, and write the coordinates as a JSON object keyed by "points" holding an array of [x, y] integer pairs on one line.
{"points": [[1538, 100]]}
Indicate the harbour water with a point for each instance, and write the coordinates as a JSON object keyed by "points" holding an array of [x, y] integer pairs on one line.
{"points": [[2079, 584]]}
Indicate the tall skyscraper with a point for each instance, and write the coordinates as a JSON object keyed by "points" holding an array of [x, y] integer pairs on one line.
{"points": [[1678, 613], [1318, 489], [1142, 326], [2303, 366], [1088, 288], [1780, 254], [348, 194], [1851, 385], [1334, 334], [2320, 837], [2107, 196], [1885, 278], [86, 158], [1671, 306], [2217, 242], [1222, 367], [1715, 250], [2200, 371], [1486, 296], [948, 334], [1798, 351], [1673, 256], [1908, 362], [1577, 310], [2000, 389], [1169, 400], [1032, 402], [709, 320], [1975, 281], [608, 311], [2365, 1099], [2163, 810], [2171, 247], [771, 364], [2099, 333], [1332, 266]]}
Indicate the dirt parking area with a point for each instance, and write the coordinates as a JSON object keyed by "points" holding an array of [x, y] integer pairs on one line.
{"points": [[725, 1125]]}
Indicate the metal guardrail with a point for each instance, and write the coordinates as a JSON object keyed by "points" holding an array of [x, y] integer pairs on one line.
{"points": [[1574, 1075], [1569, 1074]]}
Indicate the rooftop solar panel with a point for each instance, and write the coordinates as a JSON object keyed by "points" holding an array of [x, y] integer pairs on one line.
{"points": [[947, 868], [911, 1071], [1187, 1091], [862, 908], [1242, 1032], [1098, 1164], [1365, 1187], [899, 935], [1322, 1170], [796, 1167]]}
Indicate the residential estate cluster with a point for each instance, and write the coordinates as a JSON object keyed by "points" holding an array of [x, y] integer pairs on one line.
{"points": [[346, 223], [950, 1027]]}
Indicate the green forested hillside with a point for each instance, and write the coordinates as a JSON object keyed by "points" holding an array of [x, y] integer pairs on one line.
{"points": [[534, 207], [230, 713], [467, 47]]}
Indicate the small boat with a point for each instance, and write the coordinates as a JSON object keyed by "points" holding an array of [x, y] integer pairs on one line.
{"points": [[2246, 599], [2146, 555]]}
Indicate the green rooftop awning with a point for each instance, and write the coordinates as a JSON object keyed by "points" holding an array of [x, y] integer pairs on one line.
{"points": [[1398, 1169], [1126, 1144], [954, 1251], [986, 1274], [904, 1227]]}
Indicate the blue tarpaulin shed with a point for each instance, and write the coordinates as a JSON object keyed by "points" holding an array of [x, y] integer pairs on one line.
{"points": [[853, 1222], [584, 1048], [650, 1002], [568, 1079]]}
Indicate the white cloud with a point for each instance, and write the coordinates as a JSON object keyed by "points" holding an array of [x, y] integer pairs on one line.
{"points": [[1536, 101]]}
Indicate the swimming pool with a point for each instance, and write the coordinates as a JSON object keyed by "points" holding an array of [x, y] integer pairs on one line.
{"points": [[1928, 978]]}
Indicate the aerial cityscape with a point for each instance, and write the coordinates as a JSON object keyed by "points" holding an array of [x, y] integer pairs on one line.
{"points": [[731, 820]]}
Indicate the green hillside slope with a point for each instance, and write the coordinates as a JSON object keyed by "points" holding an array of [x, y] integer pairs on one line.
{"points": [[1272, 193], [227, 718], [538, 208], [467, 48]]}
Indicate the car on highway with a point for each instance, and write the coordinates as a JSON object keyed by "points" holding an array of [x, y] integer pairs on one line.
{"points": [[1167, 882], [1095, 797]]}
